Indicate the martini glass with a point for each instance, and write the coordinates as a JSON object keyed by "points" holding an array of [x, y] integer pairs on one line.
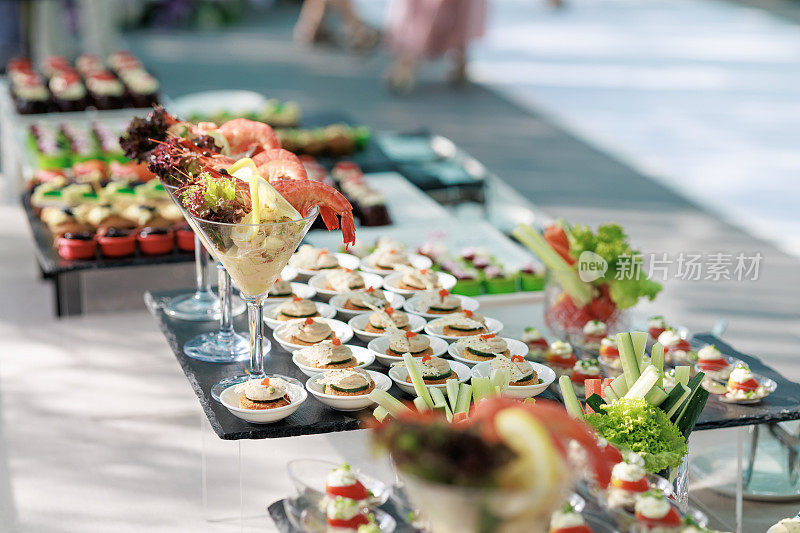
{"points": [[253, 255], [223, 345]]}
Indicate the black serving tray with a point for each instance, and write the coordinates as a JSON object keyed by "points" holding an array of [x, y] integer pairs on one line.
{"points": [[53, 264], [314, 417]]}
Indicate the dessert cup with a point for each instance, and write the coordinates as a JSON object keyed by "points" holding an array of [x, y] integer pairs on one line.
{"points": [[253, 255]]}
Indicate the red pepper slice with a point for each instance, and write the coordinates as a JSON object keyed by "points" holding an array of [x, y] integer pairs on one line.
{"points": [[583, 528], [712, 364], [671, 519], [356, 491], [640, 485], [609, 351], [749, 385], [353, 523]]}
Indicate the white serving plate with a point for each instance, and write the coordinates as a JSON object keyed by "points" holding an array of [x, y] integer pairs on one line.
{"points": [[381, 344], [347, 403], [230, 399], [467, 302], [545, 374], [317, 282], [235, 101], [493, 325], [289, 273], [341, 330], [515, 347], [338, 301], [390, 282], [364, 358], [417, 261], [271, 311], [359, 322], [399, 374], [301, 290], [345, 261]]}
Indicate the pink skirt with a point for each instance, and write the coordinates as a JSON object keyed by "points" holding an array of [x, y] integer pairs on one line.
{"points": [[431, 28]]}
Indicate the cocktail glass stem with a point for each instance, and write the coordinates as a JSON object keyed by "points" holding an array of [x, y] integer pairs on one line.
{"points": [[225, 301], [255, 315], [202, 304]]}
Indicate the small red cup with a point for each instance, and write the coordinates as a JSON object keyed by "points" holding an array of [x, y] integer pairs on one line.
{"points": [[73, 246], [117, 243], [156, 241], [184, 237]]}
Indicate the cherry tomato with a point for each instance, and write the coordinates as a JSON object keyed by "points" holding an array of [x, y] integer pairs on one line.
{"points": [[640, 485], [356, 491], [671, 519], [749, 385], [352, 523], [609, 351], [655, 332]]}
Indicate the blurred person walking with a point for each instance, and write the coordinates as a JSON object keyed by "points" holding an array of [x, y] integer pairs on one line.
{"points": [[429, 29], [311, 29]]}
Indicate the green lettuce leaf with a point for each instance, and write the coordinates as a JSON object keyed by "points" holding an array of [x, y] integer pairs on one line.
{"points": [[636, 425]]}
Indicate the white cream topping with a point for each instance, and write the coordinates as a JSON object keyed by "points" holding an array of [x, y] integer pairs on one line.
{"points": [[256, 391], [669, 337], [343, 508], [652, 507], [561, 348], [457, 321], [595, 328], [343, 281], [517, 370], [324, 353], [97, 214], [400, 342], [531, 334], [387, 258], [367, 299], [564, 520], [342, 476], [345, 378], [420, 279], [608, 342], [587, 368], [298, 308], [424, 301], [709, 352], [381, 319], [433, 366], [741, 374], [313, 332], [483, 343], [627, 472], [280, 287], [656, 322]]}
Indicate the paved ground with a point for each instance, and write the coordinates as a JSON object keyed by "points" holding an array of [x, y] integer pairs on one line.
{"points": [[111, 464]]}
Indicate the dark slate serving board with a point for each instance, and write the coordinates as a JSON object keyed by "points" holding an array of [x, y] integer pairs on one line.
{"points": [[780, 406], [53, 264], [314, 417]]}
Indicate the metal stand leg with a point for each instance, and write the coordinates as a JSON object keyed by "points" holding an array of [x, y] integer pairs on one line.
{"points": [[747, 475], [69, 294], [739, 488]]}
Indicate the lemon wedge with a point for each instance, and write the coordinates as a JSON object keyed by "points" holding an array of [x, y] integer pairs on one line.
{"points": [[265, 199], [538, 463]]}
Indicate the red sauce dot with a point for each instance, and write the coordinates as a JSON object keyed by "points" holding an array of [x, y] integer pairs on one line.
{"points": [[370, 289], [265, 382], [337, 342], [296, 299], [517, 358], [443, 292], [426, 358], [487, 336], [410, 334], [309, 321], [388, 310], [468, 313]]}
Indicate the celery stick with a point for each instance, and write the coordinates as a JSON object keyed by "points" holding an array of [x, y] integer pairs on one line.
{"points": [[619, 386], [464, 398], [696, 405], [570, 398], [695, 384], [627, 355], [451, 385], [422, 406], [416, 378], [657, 360], [500, 378], [438, 398], [639, 340], [655, 396], [643, 385], [380, 413], [388, 402], [610, 394], [480, 388], [682, 374], [675, 399], [565, 274], [448, 413]]}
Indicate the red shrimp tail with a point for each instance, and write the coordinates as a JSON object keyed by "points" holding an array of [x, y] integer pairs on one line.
{"points": [[329, 217], [348, 228]]}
